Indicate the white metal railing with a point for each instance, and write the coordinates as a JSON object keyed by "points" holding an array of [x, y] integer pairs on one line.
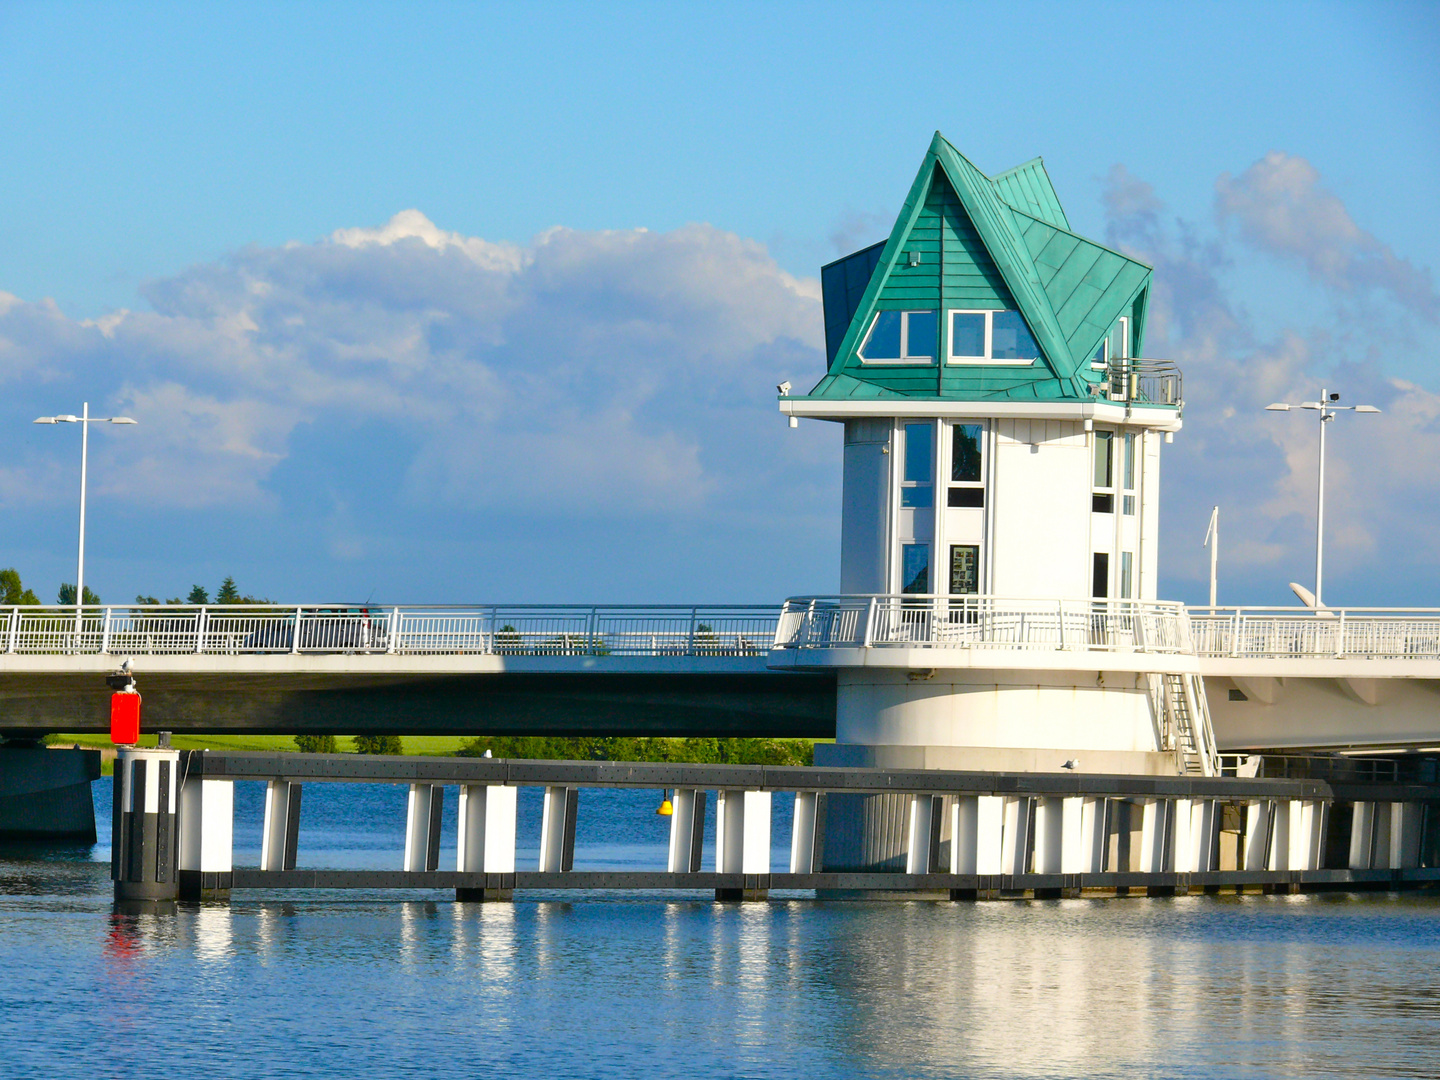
{"points": [[1362, 633], [744, 630], [558, 630], [934, 621], [1139, 381]]}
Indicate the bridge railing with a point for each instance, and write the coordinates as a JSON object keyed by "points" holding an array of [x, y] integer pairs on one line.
{"points": [[535, 630], [937, 621], [1361, 633]]}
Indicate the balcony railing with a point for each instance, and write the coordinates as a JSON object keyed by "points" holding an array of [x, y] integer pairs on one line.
{"points": [[1137, 381], [506, 631], [1360, 633], [988, 622]]}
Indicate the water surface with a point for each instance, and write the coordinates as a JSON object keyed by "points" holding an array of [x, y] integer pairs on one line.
{"points": [[346, 984]]}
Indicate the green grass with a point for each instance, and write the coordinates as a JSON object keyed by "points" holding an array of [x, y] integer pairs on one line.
{"points": [[428, 745], [432, 745]]}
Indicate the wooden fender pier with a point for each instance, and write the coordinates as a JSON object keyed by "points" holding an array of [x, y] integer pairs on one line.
{"points": [[972, 835]]}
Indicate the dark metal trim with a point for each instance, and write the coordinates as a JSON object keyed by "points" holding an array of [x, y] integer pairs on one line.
{"points": [[432, 834], [884, 882], [292, 825]]}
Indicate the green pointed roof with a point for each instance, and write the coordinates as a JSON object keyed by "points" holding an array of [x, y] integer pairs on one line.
{"points": [[1027, 188], [983, 242]]}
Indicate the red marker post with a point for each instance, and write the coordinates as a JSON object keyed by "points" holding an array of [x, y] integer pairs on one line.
{"points": [[125, 718]]}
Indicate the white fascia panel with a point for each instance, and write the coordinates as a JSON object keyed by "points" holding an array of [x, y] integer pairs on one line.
{"points": [[1103, 412]]}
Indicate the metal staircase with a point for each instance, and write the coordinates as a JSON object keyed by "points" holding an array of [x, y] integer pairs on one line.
{"points": [[1188, 717]]}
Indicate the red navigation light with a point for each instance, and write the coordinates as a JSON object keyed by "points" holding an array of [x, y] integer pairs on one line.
{"points": [[124, 718]]}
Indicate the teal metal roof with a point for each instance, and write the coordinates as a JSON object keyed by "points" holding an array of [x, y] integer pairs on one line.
{"points": [[1027, 188], [1008, 242]]}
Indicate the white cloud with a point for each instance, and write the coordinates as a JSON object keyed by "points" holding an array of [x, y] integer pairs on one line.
{"points": [[594, 372], [413, 225], [1280, 206], [1382, 492]]}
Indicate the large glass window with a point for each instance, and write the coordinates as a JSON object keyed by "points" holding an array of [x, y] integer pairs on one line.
{"points": [[915, 568], [918, 485], [991, 337], [901, 337], [967, 478], [1127, 574]]}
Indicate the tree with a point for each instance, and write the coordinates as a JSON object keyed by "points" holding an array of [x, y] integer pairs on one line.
{"points": [[198, 595], [228, 593], [67, 594], [378, 744], [12, 592], [315, 744]]}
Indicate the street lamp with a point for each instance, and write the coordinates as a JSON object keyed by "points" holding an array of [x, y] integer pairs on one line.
{"points": [[1327, 409], [84, 420]]}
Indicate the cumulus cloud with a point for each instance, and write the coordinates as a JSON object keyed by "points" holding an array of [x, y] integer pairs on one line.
{"points": [[1280, 206], [598, 371], [1382, 491]]}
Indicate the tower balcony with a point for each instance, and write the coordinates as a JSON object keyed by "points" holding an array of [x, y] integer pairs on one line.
{"points": [[1138, 381]]}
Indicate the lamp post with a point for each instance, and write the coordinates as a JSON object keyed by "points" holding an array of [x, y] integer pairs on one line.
{"points": [[84, 420], [1327, 409]]}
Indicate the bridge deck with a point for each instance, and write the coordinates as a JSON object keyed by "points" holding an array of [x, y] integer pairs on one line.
{"points": [[697, 670]]}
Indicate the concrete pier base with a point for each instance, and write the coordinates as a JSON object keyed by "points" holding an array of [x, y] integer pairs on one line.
{"points": [[45, 794]]}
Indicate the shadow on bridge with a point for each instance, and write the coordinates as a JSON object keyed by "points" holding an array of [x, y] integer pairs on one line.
{"points": [[750, 704]]}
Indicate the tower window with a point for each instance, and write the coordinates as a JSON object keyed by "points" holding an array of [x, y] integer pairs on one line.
{"points": [[967, 478], [1100, 575], [991, 337], [915, 568], [1129, 473], [901, 337], [918, 484], [1102, 498], [964, 569]]}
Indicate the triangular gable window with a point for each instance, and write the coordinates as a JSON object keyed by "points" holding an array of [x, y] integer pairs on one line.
{"points": [[900, 337]]}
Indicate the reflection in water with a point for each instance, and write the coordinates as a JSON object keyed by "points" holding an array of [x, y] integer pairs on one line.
{"points": [[750, 927], [418, 921], [364, 984], [213, 929]]}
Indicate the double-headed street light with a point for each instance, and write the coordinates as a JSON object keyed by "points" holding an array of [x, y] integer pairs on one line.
{"points": [[1327, 408], [84, 420]]}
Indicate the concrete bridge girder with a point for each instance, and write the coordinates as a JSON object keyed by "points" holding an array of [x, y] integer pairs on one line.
{"points": [[431, 696], [1323, 712]]}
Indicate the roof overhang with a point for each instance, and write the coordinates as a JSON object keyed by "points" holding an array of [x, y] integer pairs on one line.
{"points": [[1158, 418]]}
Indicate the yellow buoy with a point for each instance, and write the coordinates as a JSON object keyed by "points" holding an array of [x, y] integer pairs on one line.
{"points": [[665, 809]]}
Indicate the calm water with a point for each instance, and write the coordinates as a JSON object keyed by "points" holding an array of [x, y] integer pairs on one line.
{"points": [[375, 984]]}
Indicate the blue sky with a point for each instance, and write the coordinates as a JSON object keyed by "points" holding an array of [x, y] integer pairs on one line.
{"points": [[510, 392]]}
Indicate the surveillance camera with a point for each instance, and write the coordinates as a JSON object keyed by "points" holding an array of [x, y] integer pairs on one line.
{"points": [[1334, 397], [784, 388]]}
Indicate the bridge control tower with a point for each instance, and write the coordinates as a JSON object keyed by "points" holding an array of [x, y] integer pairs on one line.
{"points": [[1003, 436]]}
